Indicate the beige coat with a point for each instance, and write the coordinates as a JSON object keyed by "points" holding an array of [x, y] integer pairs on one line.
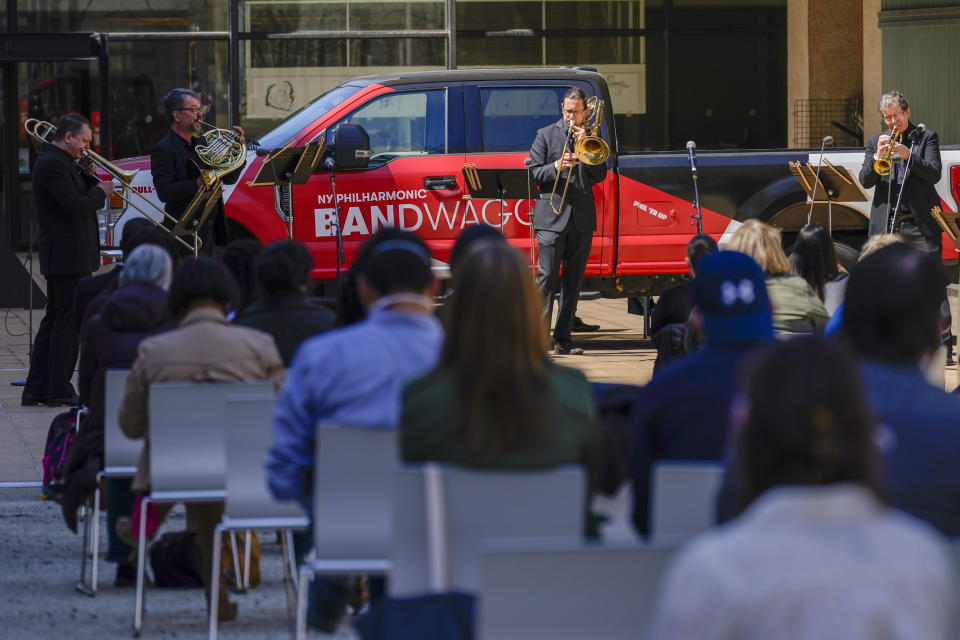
{"points": [[204, 348]]}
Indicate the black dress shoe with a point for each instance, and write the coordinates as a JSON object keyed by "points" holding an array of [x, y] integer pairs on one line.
{"points": [[567, 348], [582, 327], [30, 400], [69, 401]]}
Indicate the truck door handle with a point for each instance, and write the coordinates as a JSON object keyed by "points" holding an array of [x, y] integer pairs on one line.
{"points": [[448, 183]]}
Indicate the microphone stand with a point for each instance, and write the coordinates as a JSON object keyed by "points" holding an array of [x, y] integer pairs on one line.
{"points": [[529, 209], [906, 174], [696, 190], [341, 258], [816, 180]]}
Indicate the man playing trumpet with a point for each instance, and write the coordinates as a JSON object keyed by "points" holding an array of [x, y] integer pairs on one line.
{"points": [[919, 194]]}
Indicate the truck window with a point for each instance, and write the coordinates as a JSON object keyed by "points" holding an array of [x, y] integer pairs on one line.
{"points": [[511, 116], [409, 122]]}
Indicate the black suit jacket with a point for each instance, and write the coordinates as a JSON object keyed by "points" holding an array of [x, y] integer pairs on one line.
{"points": [[176, 167], [90, 288], [579, 204], [289, 318], [67, 202], [919, 194]]}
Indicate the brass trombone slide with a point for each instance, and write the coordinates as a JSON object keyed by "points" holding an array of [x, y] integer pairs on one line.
{"points": [[40, 130]]}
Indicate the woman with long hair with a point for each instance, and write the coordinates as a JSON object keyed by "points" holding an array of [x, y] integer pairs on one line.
{"points": [[495, 400], [796, 307], [815, 553], [815, 260]]}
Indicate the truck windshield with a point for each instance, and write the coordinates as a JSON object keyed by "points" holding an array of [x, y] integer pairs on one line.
{"points": [[306, 115]]}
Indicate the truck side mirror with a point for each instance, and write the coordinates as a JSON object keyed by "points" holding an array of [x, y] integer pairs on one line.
{"points": [[351, 147]]}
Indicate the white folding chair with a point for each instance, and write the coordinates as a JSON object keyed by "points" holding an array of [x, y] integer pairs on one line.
{"points": [[683, 498], [351, 506], [441, 551], [120, 458], [249, 504], [187, 453], [564, 590]]}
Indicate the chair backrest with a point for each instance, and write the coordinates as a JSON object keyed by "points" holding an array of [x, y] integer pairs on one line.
{"points": [[683, 498], [479, 506], [249, 419], [119, 451], [187, 446], [541, 589], [351, 492]]}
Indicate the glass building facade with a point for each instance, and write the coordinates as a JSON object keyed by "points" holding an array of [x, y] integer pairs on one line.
{"points": [[709, 70]]}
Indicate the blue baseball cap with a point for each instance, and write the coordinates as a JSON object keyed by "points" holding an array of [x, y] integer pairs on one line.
{"points": [[730, 291]]}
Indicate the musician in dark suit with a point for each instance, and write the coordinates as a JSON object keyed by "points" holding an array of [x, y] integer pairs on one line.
{"points": [[67, 196], [564, 239], [919, 194], [176, 166]]}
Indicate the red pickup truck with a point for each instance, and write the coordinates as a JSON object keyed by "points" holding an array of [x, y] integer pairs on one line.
{"points": [[425, 126]]}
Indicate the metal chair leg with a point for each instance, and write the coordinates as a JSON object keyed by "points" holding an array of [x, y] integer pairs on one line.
{"points": [[237, 574], [94, 580], [289, 572], [247, 552], [306, 575], [81, 585], [215, 581], [141, 568]]}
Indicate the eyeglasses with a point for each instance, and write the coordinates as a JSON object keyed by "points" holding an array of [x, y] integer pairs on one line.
{"points": [[893, 117], [197, 111]]}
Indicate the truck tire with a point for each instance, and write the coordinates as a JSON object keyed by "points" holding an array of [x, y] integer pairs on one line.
{"points": [[847, 256]]}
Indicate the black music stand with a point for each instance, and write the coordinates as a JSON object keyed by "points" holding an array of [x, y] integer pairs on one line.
{"points": [[499, 184], [284, 168], [196, 214], [835, 184]]}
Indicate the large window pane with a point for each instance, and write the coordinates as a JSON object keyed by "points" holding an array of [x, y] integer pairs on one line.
{"points": [[284, 16], [412, 122], [143, 72], [510, 117], [52, 16]]}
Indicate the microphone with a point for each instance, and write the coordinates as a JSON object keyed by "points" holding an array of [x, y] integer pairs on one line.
{"points": [[528, 161], [691, 151], [816, 182], [329, 164], [920, 128]]}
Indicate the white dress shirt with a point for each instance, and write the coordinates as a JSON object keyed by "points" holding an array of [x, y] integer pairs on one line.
{"points": [[811, 563]]}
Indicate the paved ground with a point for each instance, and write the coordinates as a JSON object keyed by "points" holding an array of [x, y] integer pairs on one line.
{"points": [[40, 558]]}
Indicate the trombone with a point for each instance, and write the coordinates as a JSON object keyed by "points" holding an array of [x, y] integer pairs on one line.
{"points": [[40, 130], [590, 149]]}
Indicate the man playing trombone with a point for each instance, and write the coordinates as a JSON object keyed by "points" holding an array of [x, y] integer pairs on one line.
{"points": [[67, 195], [565, 216], [176, 166]]}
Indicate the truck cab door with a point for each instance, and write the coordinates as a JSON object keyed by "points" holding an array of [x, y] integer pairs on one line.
{"points": [[413, 180], [502, 120]]}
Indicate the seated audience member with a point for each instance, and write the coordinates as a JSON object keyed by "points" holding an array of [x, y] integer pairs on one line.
{"points": [[203, 348], [892, 321], [136, 310], [240, 259], [796, 308], [668, 325], [354, 375], [92, 286], [873, 244], [816, 553], [281, 309], [683, 413], [507, 407], [815, 260]]}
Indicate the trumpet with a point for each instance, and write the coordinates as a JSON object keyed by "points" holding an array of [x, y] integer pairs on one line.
{"points": [[42, 131], [591, 149], [882, 164]]}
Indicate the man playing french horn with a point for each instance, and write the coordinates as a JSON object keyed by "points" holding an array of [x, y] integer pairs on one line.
{"points": [[176, 166]]}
